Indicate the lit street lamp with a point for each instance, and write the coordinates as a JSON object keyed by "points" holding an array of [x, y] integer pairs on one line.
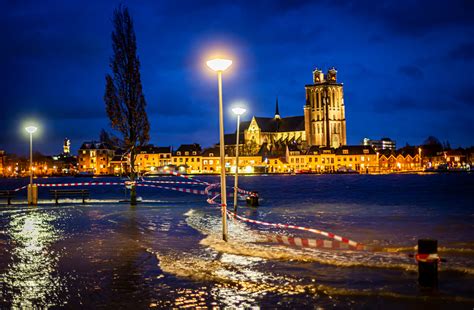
{"points": [[238, 111], [220, 65], [32, 190]]}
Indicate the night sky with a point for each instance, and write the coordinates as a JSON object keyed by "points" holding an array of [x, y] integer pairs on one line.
{"points": [[407, 67]]}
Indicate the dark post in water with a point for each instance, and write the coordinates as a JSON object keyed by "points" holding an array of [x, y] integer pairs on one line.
{"points": [[252, 199], [427, 259]]}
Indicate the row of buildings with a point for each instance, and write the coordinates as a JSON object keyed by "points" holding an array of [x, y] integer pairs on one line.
{"points": [[315, 142], [100, 159], [64, 163]]}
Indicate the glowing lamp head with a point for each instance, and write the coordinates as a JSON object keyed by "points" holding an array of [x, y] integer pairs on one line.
{"points": [[31, 129], [238, 110], [219, 64]]}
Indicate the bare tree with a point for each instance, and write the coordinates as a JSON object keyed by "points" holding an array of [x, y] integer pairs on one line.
{"points": [[124, 99]]}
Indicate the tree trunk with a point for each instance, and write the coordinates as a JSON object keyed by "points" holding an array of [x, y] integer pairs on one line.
{"points": [[133, 189]]}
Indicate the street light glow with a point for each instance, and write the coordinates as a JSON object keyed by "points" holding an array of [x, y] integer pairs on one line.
{"points": [[31, 129], [219, 64], [238, 110]]}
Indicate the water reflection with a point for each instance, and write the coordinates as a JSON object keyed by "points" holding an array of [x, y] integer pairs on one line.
{"points": [[31, 278]]}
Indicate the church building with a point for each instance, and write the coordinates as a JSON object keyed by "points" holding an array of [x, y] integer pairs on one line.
{"points": [[275, 130], [323, 123]]}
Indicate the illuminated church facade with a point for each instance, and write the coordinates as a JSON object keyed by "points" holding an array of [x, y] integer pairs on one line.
{"points": [[323, 123]]}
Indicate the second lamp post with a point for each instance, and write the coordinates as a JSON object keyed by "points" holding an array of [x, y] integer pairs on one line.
{"points": [[238, 111]]}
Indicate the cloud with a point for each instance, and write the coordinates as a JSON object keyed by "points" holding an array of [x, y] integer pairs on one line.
{"points": [[411, 71], [462, 52]]}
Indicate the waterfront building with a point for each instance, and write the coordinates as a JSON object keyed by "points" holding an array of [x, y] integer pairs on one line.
{"points": [[211, 160], [276, 164], [324, 111], [95, 157], [349, 158], [399, 161], [152, 158], [120, 163], [247, 163], [295, 158], [362, 159], [187, 158], [63, 164], [321, 159], [380, 145], [455, 158]]}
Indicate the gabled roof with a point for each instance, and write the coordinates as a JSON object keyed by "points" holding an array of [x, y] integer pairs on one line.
{"points": [[189, 148], [317, 150], [356, 150], [150, 149], [215, 151], [285, 124], [163, 149]]}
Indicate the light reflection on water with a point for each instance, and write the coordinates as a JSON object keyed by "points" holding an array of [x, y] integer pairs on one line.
{"points": [[167, 252], [31, 277]]}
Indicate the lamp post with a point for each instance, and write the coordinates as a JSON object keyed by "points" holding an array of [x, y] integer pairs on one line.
{"points": [[220, 65], [238, 111], [32, 189]]}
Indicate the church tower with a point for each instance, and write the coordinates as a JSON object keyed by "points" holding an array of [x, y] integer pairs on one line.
{"points": [[324, 112], [277, 111]]}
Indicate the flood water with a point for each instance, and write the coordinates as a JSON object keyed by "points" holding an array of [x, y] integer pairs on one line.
{"points": [[167, 253]]}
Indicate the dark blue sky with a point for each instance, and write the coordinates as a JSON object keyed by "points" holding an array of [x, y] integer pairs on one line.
{"points": [[407, 67]]}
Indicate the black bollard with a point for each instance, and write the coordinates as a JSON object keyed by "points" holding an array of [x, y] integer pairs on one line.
{"points": [[252, 199], [427, 259]]}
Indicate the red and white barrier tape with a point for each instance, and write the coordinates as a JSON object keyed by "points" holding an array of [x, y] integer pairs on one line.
{"points": [[202, 182], [427, 258], [171, 182], [243, 191], [19, 188], [312, 243], [185, 176], [178, 189], [287, 226], [78, 184]]}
